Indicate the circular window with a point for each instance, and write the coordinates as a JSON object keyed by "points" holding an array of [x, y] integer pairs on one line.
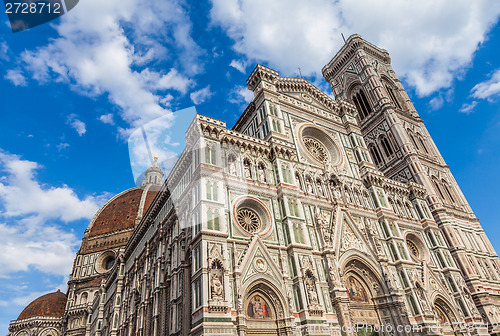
{"points": [[249, 220], [316, 149], [109, 262], [318, 146], [105, 262], [252, 216], [413, 249]]}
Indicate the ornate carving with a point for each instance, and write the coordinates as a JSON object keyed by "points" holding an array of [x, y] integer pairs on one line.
{"points": [[249, 220], [323, 222], [310, 285], [413, 249], [350, 240]]}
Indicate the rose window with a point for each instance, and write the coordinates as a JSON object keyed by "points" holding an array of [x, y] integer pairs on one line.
{"points": [[249, 220], [413, 248], [316, 149]]}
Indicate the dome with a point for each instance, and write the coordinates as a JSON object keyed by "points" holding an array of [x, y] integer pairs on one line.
{"points": [[121, 212], [48, 305]]}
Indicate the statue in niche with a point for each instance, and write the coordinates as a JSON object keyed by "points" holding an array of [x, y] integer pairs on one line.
{"points": [[216, 273], [246, 167], [320, 188], [217, 287], [309, 186], [261, 173], [232, 165], [310, 288]]}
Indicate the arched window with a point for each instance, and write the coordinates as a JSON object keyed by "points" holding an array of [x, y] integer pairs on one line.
{"points": [[210, 154], [210, 219], [215, 192], [362, 104], [449, 192], [386, 145], [412, 138], [438, 189], [216, 220], [393, 96], [422, 143], [209, 190], [375, 154]]}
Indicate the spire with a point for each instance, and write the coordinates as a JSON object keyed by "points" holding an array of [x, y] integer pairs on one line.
{"points": [[154, 174]]}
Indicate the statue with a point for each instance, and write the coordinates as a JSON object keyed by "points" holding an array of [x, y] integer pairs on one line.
{"points": [[261, 174], [232, 166], [320, 189], [217, 287], [309, 186], [248, 173]]}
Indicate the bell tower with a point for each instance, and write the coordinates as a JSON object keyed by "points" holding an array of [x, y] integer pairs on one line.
{"points": [[397, 139], [402, 149]]}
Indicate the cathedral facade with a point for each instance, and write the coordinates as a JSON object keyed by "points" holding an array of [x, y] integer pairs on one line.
{"points": [[311, 216]]}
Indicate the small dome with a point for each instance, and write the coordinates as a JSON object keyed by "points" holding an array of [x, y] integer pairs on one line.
{"points": [[48, 305]]}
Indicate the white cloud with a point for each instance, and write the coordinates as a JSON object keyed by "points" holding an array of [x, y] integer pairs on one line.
{"points": [[29, 210], [62, 146], [172, 80], [431, 41], [239, 65], [22, 195], [77, 124], [487, 89], [107, 119], [16, 77], [46, 248], [3, 51], [468, 108], [436, 103], [201, 96], [240, 94], [109, 48]]}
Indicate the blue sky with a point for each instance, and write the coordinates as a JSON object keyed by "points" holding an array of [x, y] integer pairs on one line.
{"points": [[73, 90]]}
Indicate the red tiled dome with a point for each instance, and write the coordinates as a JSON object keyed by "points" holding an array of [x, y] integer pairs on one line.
{"points": [[48, 305], [120, 212]]}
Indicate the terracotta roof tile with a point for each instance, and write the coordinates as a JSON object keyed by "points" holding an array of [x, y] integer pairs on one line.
{"points": [[48, 305]]}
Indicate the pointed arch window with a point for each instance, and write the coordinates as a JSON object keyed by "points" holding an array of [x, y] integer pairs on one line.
{"points": [[212, 191], [438, 189], [375, 154], [210, 155], [393, 96], [386, 145], [362, 104], [422, 143], [449, 193], [412, 138]]}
